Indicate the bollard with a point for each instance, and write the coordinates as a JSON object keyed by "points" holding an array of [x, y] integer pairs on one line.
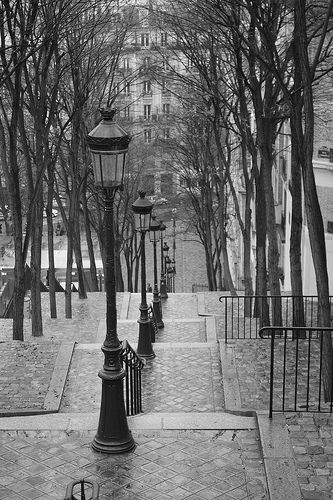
{"points": [[92, 484]]}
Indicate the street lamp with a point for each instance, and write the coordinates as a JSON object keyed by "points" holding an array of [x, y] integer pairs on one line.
{"points": [[108, 145], [142, 209], [163, 290], [154, 235], [172, 272], [167, 261], [174, 212]]}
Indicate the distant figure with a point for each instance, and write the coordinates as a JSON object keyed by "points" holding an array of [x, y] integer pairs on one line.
{"points": [[149, 288], [58, 229]]}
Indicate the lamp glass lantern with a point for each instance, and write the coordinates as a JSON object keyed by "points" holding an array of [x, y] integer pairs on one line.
{"points": [[162, 229], [154, 230], [108, 143], [165, 247], [142, 209]]}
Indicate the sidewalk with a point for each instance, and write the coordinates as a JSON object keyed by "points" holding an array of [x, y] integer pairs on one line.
{"points": [[198, 437]]}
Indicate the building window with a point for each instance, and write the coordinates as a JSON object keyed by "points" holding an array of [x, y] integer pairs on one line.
{"points": [[166, 133], [164, 39], [147, 111], [126, 112], [166, 108], [330, 226], [147, 87], [147, 135], [189, 64], [165, 63], [144, 39], [166, 184], [148, 182]]}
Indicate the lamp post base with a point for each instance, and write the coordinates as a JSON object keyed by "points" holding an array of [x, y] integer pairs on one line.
{"points": [[113, 435], [113, 447], [157, 307], [163, 288], [145, 348]]}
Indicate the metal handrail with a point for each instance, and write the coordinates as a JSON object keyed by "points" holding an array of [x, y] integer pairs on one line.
{"points": [[244, 315], [300, 368], [133, 384]]}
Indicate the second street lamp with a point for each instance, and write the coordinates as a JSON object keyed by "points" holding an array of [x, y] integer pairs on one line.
{"points": [[142, 209], [108, 144], [164, 288], [163, 291], [154, 235]]}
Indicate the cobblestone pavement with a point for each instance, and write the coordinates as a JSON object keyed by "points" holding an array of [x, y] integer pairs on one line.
{"points": [[312, 440], [195, 465], [25, 375]]}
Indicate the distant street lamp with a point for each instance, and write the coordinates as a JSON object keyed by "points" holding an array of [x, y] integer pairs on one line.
{"points": [[163, 289], [174, 212], [167, 261], [172, 272], [154, 235], [142, 209], [108, 144]]}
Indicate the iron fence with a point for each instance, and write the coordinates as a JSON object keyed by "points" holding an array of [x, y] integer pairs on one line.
{"points": [[133, 365], [297, 366], [243, 316], [6, 299]]}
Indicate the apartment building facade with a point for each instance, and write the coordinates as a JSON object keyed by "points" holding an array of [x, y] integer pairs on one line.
{"points": [[146, 101]]}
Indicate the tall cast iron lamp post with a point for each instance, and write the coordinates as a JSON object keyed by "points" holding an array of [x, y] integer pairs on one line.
{"points": [[142, 209], [154, 235], [163, 287], [108, 144], [174, 212]]}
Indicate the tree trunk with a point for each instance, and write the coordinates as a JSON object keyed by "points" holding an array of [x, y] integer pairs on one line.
{"points": [[261, 304], [35, 266], [297, 218], [90, 246], [273, 252], [312, 208], [50, 243]]}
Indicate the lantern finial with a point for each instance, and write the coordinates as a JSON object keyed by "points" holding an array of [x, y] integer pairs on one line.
{"points": [[107, 113]]}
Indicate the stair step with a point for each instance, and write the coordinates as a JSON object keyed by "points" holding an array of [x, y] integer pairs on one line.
{"points": [[150, 421]]}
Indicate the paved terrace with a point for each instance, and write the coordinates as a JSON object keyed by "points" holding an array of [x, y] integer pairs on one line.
{"points": [[204, 433]]}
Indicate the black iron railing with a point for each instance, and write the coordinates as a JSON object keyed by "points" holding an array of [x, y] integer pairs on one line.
{"points": [[6, 299], [244, 315], [133, 365], [296, 369]]}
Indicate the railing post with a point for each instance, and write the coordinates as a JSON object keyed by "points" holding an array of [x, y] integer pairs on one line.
{"points": [[226, 320], [271, 382]]}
